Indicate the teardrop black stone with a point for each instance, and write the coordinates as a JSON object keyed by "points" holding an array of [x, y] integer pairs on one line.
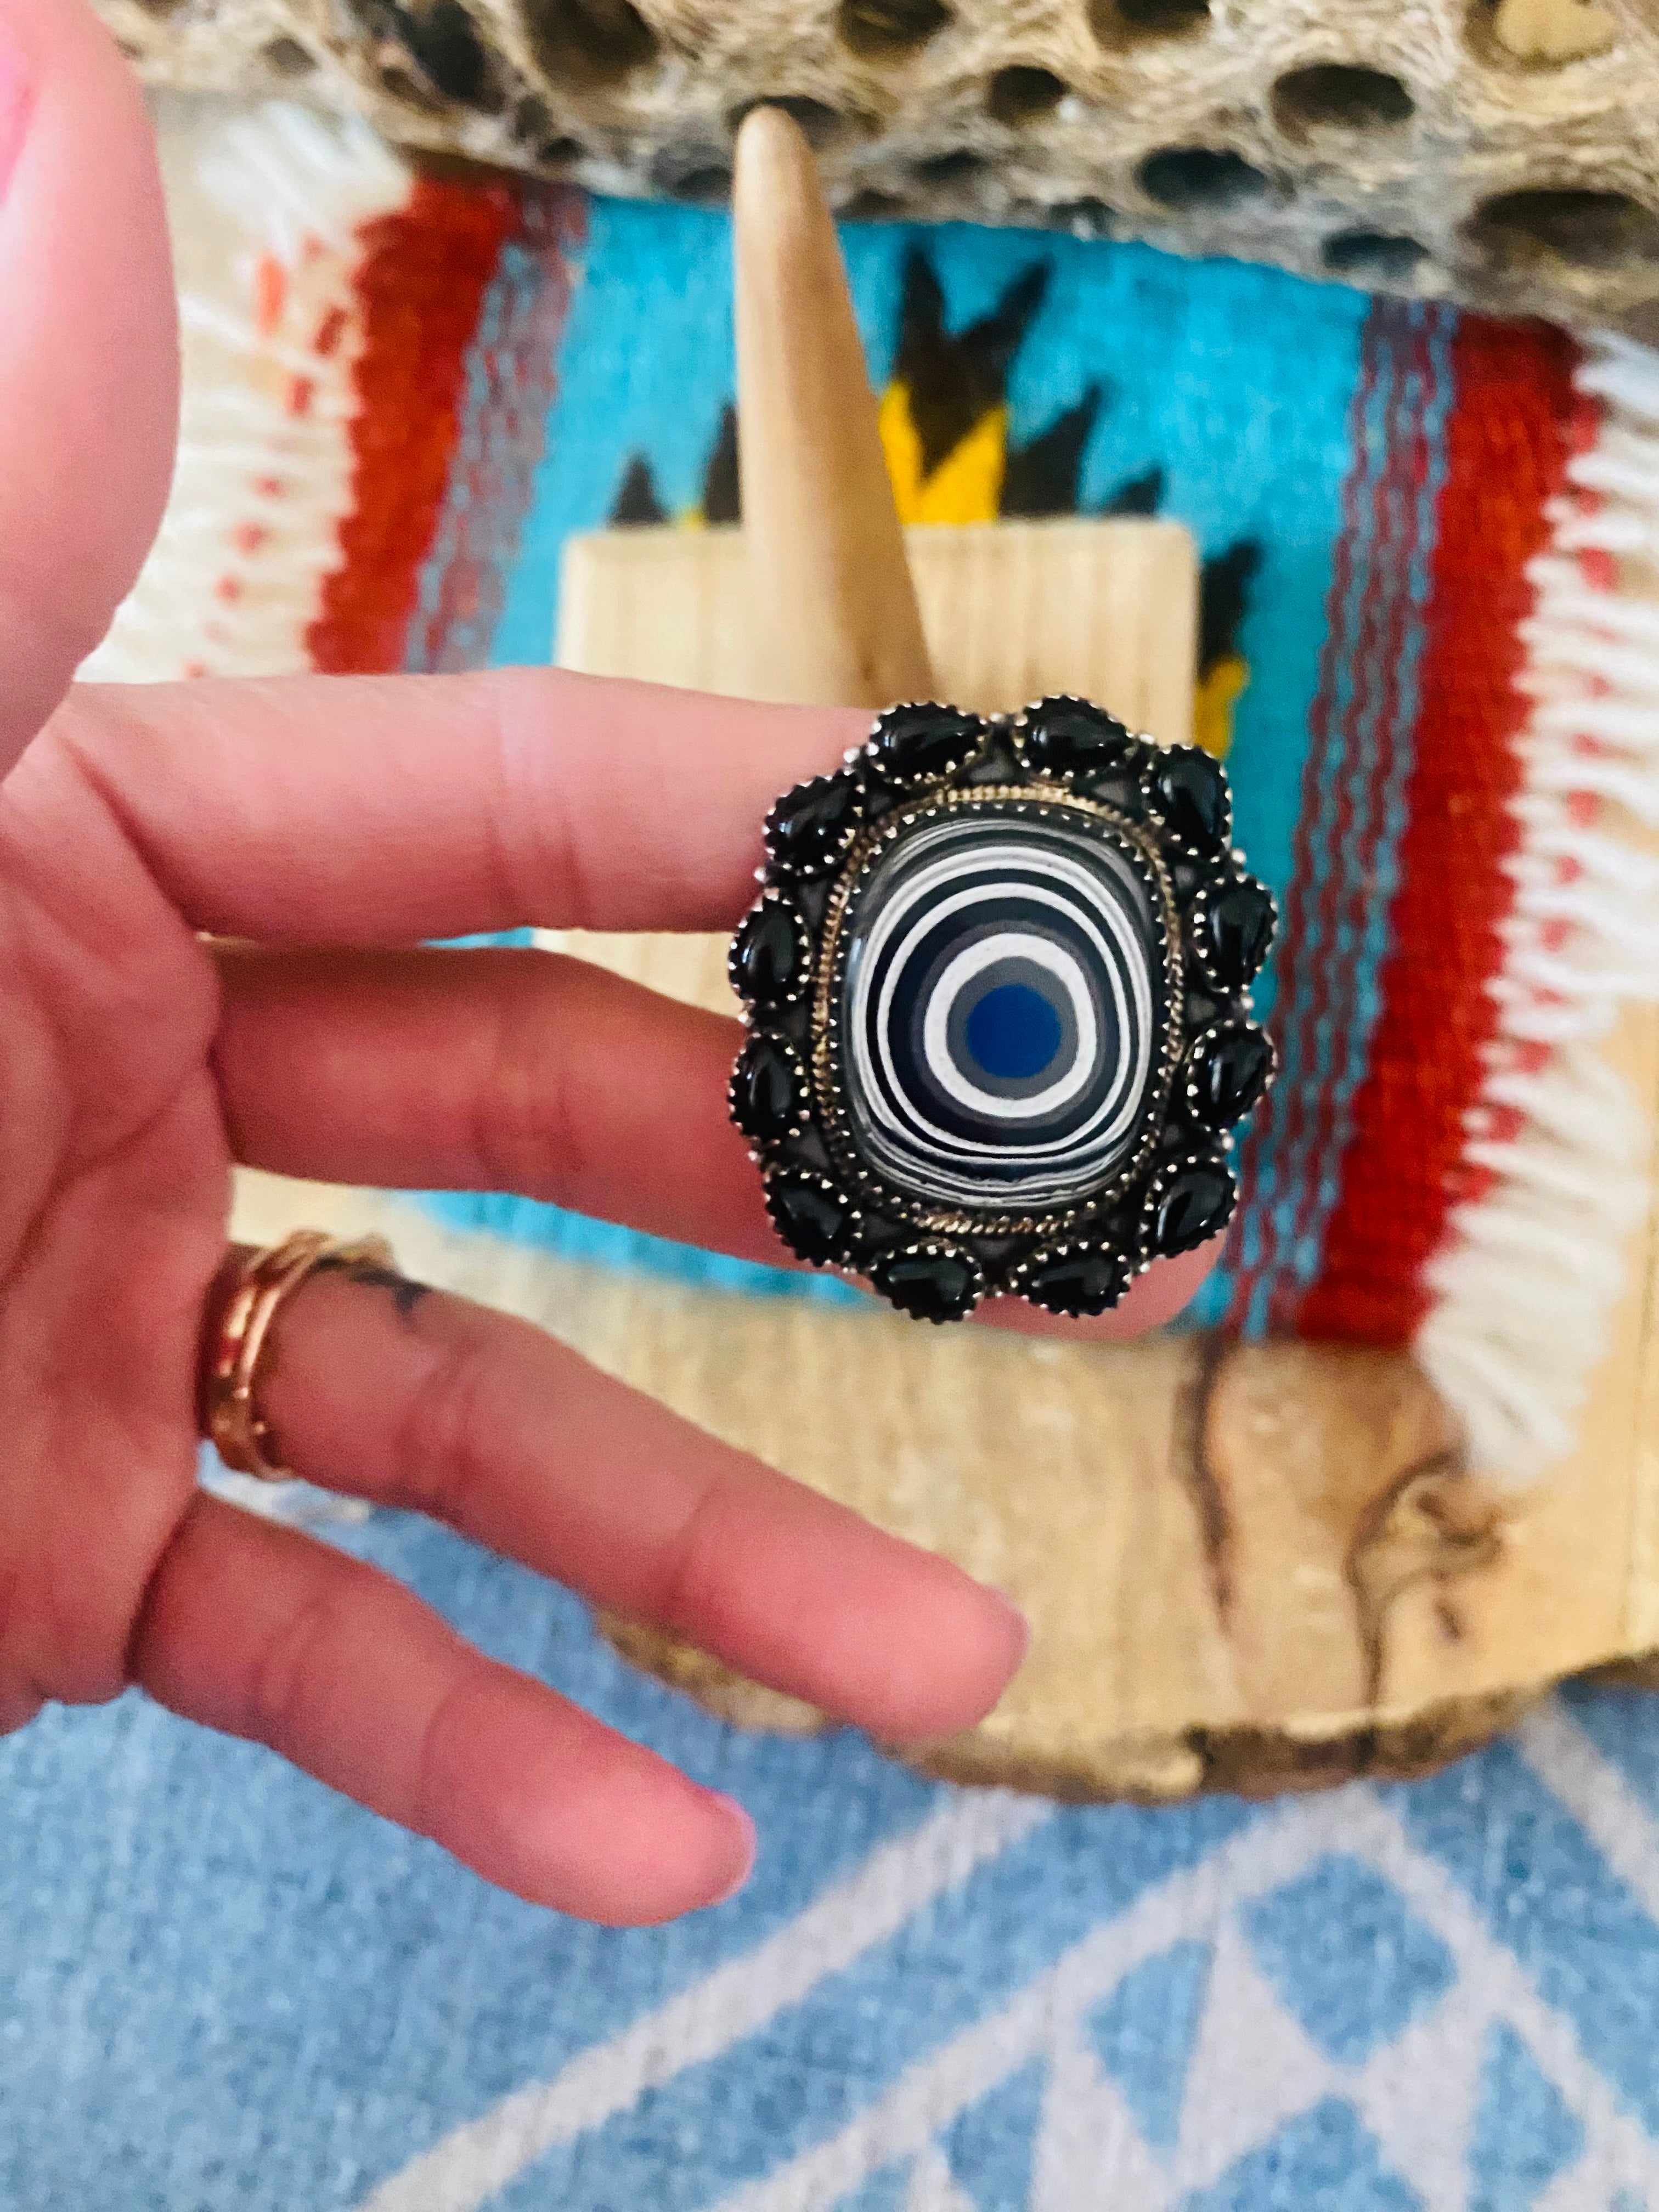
{"points": [[816, 1223], [766, 959], [810, 825], [1192, 792], [1230, 1074], [923, 741], [1079, 1283], [1192, 1207], [928, 1285], [1061, 735], [764, 1090], [1236, 931]]}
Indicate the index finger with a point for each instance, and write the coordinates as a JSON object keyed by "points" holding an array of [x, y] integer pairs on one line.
{"points": [[322, 809]]}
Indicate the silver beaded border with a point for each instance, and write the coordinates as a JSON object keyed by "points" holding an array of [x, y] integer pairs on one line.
{"points": [[801, 1119], [1198, 915], [1130, 1200], [757, 1018], [936, 1248], [1196, 1046]]}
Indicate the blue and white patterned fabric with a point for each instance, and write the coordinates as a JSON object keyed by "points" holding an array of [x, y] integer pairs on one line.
{"points": [[222, 1986]]}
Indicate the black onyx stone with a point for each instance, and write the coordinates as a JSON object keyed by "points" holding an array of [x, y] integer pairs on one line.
{"points": [[1237, 929], [764, 1090], [1229, 1073], [928, 1285], [1192, 1207], [766, 959], [810, 825], [1079, 1283], [913, 742], [1066, 735], [815, 1223], [1192, 795]]}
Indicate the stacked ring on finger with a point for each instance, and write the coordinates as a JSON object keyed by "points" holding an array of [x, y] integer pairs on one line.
{"points": [[997, 987], [242, 1332]]}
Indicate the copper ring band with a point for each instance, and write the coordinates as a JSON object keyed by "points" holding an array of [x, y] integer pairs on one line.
{"points": [[235, 1426]]}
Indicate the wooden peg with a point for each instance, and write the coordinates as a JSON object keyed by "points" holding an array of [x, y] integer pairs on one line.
{"points": [[835, 621]]}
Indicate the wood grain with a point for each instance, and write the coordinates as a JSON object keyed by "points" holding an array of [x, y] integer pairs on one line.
{"points": [[832, 616], [1107, 608], [1255, 1569]]}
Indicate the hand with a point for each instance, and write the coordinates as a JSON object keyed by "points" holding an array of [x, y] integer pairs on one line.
{"points": [[212, 903]]}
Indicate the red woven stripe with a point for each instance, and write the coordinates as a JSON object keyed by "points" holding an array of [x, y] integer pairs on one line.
{"points": [[1507, 442], [1372, 714], [424, 274]]}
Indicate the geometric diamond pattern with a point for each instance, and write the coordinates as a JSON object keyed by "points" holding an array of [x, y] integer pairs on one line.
{"points": [[1154, 2070], [990, 2146], [883, 2192], [1524, 2132], [1144, 2034], [1348, 1956], [1325, 2158], [1166, 2030]]}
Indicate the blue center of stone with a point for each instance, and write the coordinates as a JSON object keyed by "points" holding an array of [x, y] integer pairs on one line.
{"points": [[1013, 1032]]}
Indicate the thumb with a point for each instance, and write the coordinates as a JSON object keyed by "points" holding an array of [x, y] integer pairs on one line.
{"points": [[88, 356]]}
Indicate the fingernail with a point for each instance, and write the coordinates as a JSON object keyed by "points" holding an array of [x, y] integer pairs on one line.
{"points": [[743, 1845], [16, 99]]}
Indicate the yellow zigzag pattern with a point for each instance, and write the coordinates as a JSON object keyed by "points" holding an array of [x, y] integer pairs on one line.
{"points": [[966, 487]]}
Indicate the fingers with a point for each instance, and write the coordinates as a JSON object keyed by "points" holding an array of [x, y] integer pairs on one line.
{"points": [[88, 367], [496, 1070], [524, 1071], [380, 810], [257, 1630], [415, 1399]]}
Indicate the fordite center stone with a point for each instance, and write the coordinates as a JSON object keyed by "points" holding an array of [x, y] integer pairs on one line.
{"points": [[997, 987]]}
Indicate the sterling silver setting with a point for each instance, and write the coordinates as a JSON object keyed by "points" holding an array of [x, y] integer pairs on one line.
{"points": [[997, 990]]}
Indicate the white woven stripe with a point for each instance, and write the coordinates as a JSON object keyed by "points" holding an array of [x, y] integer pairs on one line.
{"points": [[1598, 1796], [265, 471], [1262, 2070], [470, 2166], [1530, 1271]]}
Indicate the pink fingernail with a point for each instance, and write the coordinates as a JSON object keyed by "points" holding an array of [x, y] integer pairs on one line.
{"points": [[746, 1841], [16, 100]]}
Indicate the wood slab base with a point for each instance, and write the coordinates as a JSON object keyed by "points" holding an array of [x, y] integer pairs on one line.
{"points": [[1255, 1569]]}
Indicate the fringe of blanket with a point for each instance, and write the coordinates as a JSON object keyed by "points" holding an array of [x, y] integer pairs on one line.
{"points": [[1537, 1255], [265, 468]]}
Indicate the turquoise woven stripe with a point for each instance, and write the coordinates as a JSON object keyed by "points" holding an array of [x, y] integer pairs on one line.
{"points": [[1235, 382]]}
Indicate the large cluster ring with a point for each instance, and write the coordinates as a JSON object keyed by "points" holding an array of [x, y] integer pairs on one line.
{"points": [[997, 989], [265, 1282]]}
